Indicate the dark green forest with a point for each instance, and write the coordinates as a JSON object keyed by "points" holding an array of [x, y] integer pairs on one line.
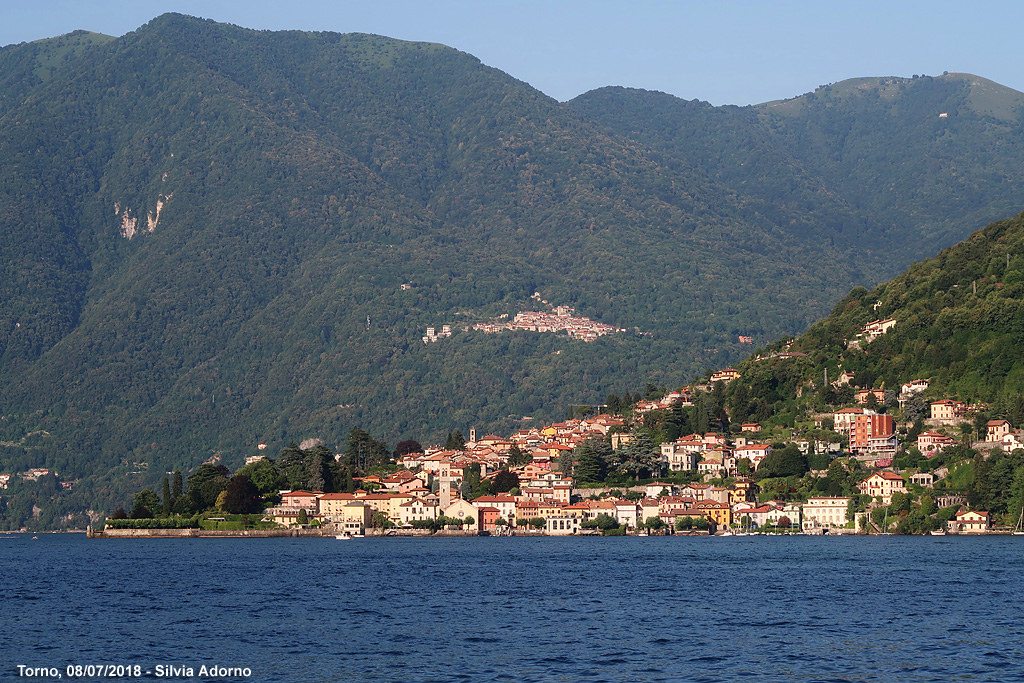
{"points": [[303, 178]]}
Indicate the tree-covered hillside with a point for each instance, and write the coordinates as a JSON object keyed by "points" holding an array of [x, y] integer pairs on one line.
{"points": [[890, 164], [959, 323], [212, 237]]}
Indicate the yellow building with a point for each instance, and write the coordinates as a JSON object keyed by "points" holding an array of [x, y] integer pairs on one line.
{"points": [[355, 517], [332, 506], [719, 513]]}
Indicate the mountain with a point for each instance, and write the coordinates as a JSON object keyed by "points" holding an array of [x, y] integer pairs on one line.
{"points": [[886, 162], [212, 237]]}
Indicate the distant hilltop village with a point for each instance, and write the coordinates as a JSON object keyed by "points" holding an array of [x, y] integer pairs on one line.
{"points": [[562, 318]]}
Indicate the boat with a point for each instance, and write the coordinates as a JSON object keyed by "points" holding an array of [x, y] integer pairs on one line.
{"points": [[938, 532]]}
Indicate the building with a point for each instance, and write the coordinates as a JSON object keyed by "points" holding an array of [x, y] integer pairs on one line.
{"points": [[883, 485], [930, 443], [506, 506], [925, 479], [862, 396], [971, 522], [332, 506], [872, 434], [844, 378], [948, 410], [562, 525], [355, 518], [463, 511], [997, 429], [727, 375], [842, 420], [416, 510], [914, 387], [654, 489], [755, 453], [488, 518], [719, 513], [827, 512], [681, 456], [626, 512]]}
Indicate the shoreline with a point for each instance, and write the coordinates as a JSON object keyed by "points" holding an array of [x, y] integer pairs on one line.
{"points": [[320, 533]]}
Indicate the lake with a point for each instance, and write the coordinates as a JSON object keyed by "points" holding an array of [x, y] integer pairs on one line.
{"points": [[697, 609]]}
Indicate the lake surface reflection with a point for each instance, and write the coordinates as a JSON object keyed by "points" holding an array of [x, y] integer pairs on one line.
{"points": [[522, 609]]}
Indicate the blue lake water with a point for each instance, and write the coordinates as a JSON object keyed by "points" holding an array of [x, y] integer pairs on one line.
{"points": [[521, 609]]}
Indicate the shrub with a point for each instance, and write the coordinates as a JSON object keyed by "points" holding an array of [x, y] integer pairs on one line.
{"points": [[154, 523]]}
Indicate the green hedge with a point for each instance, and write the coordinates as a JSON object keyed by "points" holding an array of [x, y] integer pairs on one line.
{"points": [[155, 523]]}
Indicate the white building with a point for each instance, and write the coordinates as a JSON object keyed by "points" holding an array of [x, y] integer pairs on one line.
{"points": [[825, 511]]}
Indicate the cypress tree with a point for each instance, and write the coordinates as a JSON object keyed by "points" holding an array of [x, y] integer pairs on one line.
{"points": [[177, 488], [167, 502]]}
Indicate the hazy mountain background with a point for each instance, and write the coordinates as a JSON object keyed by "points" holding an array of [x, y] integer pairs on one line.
{"points": [[204, 231]]}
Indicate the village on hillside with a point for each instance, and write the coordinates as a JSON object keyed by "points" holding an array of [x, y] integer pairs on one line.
{"points": [[559, 319], [856, 469], [722, 498]]}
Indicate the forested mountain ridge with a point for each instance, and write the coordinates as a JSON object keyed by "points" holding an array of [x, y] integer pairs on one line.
{"points": [[205, 232], [886, 161]]}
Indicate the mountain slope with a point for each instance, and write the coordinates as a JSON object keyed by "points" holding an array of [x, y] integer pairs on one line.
{"points": [[897, 166], [959, 323], [205, 232]]}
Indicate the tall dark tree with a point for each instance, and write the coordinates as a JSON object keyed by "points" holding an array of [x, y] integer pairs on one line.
{"points": [[783, 462], [471, 484], [316, 474], [206, 483], [146, 502], [516, 456], [167, 502], [567, 463], [504, 481], [591, 466], [293, 467], [363, 451], [406, 447], [613, 404], [241, 497], [641, 457], [677, 422], [178, 486], [739, 404], [701, 414], [264, 476]]}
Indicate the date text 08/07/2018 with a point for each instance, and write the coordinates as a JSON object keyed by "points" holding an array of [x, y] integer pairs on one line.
{"points": [[133, 671]]}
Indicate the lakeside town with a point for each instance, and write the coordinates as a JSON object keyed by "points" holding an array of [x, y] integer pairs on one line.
{"points": [[858, 469], [548, 501]]}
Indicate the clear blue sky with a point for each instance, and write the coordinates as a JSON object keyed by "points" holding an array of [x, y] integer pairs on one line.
{"points": [[722, 51]]}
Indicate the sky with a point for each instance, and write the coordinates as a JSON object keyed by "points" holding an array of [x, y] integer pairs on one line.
{"points": [[720, 51]]}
